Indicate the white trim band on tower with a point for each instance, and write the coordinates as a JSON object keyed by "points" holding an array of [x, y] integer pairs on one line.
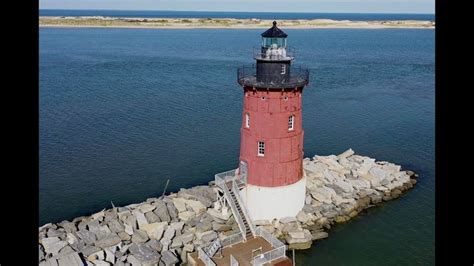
{"points": [[267, 203]]}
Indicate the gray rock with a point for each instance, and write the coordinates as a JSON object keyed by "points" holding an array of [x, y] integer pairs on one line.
{"points": [[93, 225], [319, 235], [89, 250], [287, 220], [133, 261], [132, 221], [309, 209], [121, 263], [68, 226], [61, 233], [155, 244], [110, 215], [185, 238], [189, 247], [172, 211], [101, 231], [176, 243], [203, 226], [40, 253], [151, 217], [165, 244], [200, 194], [345, 154], [207, 236], [110, 255], [178, 226], [101, 263], [53, 245], [72, 259], [99, 255], [141, 220], [78, 219], [124, 236], [221, 227], [192, 222], [139, 237], [65, 251], [82, 225], [110, 240], [169, 233], [118, 254], [99, 215], [144, 254], [116, 226], [50, 262], [144, 208], [169, 258], [162, 211]]}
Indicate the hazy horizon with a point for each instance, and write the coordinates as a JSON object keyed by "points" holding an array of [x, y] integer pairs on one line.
{"points": [[295, 6], [171, 10]]}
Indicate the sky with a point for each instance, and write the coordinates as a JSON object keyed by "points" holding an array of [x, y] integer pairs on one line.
{"points": [[322, 6]]}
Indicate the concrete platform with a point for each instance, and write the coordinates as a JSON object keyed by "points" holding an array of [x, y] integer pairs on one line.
{"points": [[242, 252]]}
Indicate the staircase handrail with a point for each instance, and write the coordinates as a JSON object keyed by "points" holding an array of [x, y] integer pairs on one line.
{"points": [[243, 207], [235, 212]]}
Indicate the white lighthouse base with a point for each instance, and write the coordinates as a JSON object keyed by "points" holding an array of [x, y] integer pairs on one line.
{"points": [[267, 203]]}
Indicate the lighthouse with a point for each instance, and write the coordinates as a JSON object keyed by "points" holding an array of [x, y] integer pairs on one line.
{"points": [[269, 182], [271, 142]]}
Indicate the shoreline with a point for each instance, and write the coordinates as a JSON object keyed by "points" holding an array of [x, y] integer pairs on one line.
{"points": [[169, 229], [225, 23]]}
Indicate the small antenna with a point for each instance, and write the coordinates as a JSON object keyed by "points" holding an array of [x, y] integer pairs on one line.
{"points": [[166, 186]]}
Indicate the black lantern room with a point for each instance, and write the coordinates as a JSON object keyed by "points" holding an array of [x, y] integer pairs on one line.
{"points": [[273, 61], [273, 64]]}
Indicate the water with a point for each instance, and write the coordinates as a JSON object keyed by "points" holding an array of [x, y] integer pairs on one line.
{"points": [[122, 110], [239, 15]]}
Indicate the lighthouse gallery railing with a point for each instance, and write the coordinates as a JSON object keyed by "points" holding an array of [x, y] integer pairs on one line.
{"points": [[247, 76]]}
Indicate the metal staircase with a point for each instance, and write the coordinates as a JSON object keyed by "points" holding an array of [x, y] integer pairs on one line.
{"points": [[231, 184], [234, 197]]}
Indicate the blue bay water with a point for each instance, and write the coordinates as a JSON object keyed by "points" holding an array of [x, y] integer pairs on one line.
{"points": [[239, 15], [123, 110]]}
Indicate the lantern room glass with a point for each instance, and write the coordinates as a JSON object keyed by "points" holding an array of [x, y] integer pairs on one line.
{"points": [[268, 42]]}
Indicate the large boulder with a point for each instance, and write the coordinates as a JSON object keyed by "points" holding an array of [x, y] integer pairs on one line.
{"points": [[180, 204], [116, 226], [144, 208], [52, 245], [173, 212], [207, 236], [162, 211], [110, 240], [155, 230], [141, 219], [196, 206], [186, 215], [139, 237], [345, 154], [317, 235], [299, 239], [72, 259], [144, 254], [169, 258]]}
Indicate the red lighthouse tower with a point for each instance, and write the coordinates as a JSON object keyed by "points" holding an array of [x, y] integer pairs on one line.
{"points": [[271, 144]]}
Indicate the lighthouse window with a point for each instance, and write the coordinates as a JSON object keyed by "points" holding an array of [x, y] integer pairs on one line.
{"points": [[247, 120], [291, 122], [261, 148], [283, 69]]}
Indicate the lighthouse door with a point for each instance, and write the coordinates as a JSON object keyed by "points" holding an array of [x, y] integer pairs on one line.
{"points": [[243, 168]]}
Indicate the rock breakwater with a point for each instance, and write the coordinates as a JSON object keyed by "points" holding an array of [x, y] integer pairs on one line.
{"points": [[165, 230]]}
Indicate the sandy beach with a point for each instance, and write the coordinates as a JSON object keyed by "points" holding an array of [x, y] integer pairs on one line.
{"points": [[224, 23]]}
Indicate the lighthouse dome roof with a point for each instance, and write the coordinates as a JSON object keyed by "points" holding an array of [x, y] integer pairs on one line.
{"points": [[274, 32]]}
